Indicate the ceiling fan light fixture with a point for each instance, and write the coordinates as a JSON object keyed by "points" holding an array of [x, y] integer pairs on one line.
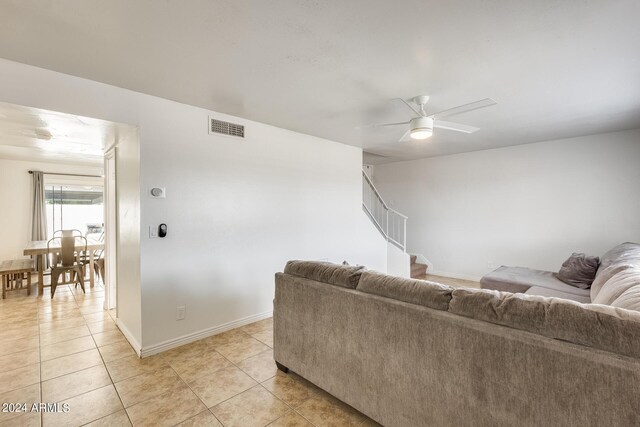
{"points": [[421, 128], [421, 133]]}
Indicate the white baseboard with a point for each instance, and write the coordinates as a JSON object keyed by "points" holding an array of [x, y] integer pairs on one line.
{"points": [[195, 336], [454, 275], [129, 336]]}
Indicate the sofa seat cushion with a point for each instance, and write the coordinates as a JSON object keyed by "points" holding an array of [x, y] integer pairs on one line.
{"points": [[598, 326], [553, 293], [617, 285], [520, 279], [420, 292], [340, 275]]}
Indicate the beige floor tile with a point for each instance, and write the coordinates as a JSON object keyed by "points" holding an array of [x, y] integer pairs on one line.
{"points": [[104, 326], [28, 395], [324, 411], [259, 367], [10, 332], [109, 337], [221, 385], [74, 384], [145, 386], [19, 345], [62, 324], [239, 350], [203, 419], [85, 408], [265, 337], [190, 368], [45, 310], [65, 348], [53, 337], [13, 361], [167, 409], [132, 365], [255, 407], [92, 308], [118, 419], [259, 326], [58, 317], [68, 364], [225, 337], [192, 351], [290, 389], [25, 420], [97, 317], [116, 351], [19, 377], [292, 419]]}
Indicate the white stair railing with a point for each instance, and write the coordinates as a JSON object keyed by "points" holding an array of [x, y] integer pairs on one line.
{"points": [[391, 223]]}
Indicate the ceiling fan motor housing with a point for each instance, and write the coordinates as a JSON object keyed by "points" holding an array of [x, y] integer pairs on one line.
{"points": [[421, 123]]}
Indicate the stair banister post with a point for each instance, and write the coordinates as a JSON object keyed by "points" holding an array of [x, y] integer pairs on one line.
{"points": [[387, 225], [404, 239]]}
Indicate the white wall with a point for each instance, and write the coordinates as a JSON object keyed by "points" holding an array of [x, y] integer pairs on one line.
{"points": [[129, 292], [235, 210], [528, 205], [16, 196]]}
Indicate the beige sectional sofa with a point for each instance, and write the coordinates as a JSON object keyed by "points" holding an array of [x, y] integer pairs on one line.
{"points": [[413, 353], [617, 281]]}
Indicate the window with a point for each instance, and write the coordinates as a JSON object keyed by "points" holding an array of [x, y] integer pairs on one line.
{"points": [[74, 207]]}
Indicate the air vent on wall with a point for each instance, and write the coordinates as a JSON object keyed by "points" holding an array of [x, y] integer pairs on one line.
{"points": [[225, 128]]}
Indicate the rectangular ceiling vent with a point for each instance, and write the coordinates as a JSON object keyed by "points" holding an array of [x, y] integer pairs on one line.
{"points": [[225, 128]]}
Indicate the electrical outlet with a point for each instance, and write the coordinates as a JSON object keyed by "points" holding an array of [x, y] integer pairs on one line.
{"points": [[491, 265], [181, 312], [153, 231]]}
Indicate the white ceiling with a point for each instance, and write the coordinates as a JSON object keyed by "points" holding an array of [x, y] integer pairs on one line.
{"points": [[557, 68], [33, 134]]}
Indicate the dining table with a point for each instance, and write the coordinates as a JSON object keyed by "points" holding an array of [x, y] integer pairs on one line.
{"points": [[39, 248]]}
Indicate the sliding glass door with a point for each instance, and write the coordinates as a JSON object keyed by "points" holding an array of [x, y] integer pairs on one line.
{"points": [[77, 207]]}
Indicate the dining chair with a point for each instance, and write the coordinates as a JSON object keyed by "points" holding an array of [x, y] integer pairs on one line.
{"points": [[66, 260], [99, 264]]}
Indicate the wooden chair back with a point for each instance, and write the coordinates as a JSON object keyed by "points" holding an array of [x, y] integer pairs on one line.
{"points": [[67, 256]]}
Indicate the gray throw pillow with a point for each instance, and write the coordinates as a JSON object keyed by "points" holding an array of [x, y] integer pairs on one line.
{"points": [[579, 270]]}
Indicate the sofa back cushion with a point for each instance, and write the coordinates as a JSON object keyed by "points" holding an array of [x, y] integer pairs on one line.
{"points": [[617, 285], [629, 299], [623, 253], [420, 292], [603, 277], [340, 275], [606, 328]]}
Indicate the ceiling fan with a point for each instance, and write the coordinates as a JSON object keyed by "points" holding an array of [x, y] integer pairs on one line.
{"points": [[421, 126]]}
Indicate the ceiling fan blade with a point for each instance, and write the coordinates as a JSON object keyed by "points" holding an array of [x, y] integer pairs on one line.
{"points": [[454, 126], [405, 137], [415, 110], [487, 102], [379, 125]]}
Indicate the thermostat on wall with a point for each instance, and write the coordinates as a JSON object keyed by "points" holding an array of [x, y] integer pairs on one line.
{"points": [[157, 192]]}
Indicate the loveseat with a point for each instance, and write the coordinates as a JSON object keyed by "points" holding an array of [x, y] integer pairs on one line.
{"points": [[616, 283], [413, 353]]}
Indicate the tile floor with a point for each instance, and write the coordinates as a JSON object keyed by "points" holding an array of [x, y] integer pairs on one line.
{"points": [[69, 350]]}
